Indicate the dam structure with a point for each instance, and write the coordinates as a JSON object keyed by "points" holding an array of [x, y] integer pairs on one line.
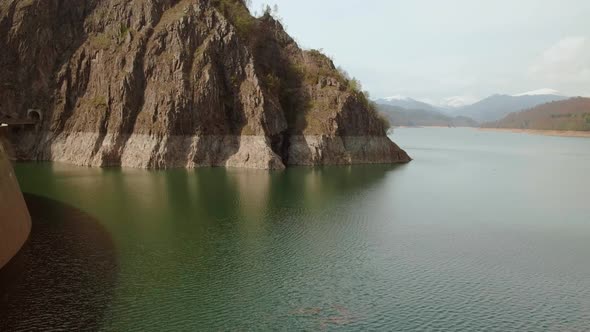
{"points": [[15, 221]]}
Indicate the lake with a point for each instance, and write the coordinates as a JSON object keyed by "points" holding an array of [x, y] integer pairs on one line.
{"points": [[482, 231]]}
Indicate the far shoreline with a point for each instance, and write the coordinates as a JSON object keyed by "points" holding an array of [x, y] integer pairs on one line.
{"points": [[558, 133], [418, 127]]}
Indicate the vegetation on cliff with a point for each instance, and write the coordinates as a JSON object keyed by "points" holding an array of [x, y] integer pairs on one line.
{"points": [[290, 74]]}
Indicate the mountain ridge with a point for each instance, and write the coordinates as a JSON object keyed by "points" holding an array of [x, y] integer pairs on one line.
{"points": [[565, 115], [492, 108], [405, 102], [497, 106], [401, 117]]}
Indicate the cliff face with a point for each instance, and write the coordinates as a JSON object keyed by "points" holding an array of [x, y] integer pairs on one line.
{"points": [[15, 222], [168, 83]]}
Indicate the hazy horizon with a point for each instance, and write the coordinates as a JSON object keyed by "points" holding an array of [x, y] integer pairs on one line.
{"points": [[456, 51]]}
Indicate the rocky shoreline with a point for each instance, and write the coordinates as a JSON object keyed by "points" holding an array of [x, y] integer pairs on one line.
{"points": [[144, 151]]}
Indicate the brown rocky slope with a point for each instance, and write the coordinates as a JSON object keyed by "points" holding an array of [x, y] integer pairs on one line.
{"points": [[565, 115], [169, 83]]}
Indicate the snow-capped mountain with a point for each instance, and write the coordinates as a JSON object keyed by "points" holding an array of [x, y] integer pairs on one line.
{"points": [[445, 105], [496, 107], [405, 102], [492, 108], [539, 92], [457, 101]]}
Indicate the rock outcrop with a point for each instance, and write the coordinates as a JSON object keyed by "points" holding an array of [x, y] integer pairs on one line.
{"points": [[169, 83], [15, 222]]}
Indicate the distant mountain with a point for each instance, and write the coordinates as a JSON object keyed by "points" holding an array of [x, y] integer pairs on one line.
{"points": [[496, 107], [539, 92], [406, 103], [571, 114], [399, 116], [450, 103]]}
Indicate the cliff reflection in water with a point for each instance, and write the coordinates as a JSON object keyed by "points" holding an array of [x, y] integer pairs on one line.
{"points": [[63, 278], [188, 242]]}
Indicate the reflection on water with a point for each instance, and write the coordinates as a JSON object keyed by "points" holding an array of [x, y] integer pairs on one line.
{"points": [[466, 237], [63, 277], [199, 245]]}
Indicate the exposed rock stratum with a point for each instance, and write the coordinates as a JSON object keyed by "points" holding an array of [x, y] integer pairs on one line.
{"points": [[165, 83]]}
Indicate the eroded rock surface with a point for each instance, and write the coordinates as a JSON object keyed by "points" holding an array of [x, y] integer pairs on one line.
{"points": [[165, 83]]}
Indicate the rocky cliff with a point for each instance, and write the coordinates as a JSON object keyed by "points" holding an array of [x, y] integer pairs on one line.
{"points": [[169, 83], [15, 222]]}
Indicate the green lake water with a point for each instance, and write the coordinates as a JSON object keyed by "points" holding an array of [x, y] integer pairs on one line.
{"points": [[483, 231]]}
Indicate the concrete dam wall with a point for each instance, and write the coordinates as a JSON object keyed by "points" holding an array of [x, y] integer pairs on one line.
{"points": [[15, 221]]}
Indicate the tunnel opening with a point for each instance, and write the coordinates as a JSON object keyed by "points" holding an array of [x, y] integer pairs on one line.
{"points": [[35, 115]]}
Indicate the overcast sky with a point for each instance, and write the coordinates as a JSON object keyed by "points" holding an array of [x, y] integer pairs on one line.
{"points": [[433, 49]]}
